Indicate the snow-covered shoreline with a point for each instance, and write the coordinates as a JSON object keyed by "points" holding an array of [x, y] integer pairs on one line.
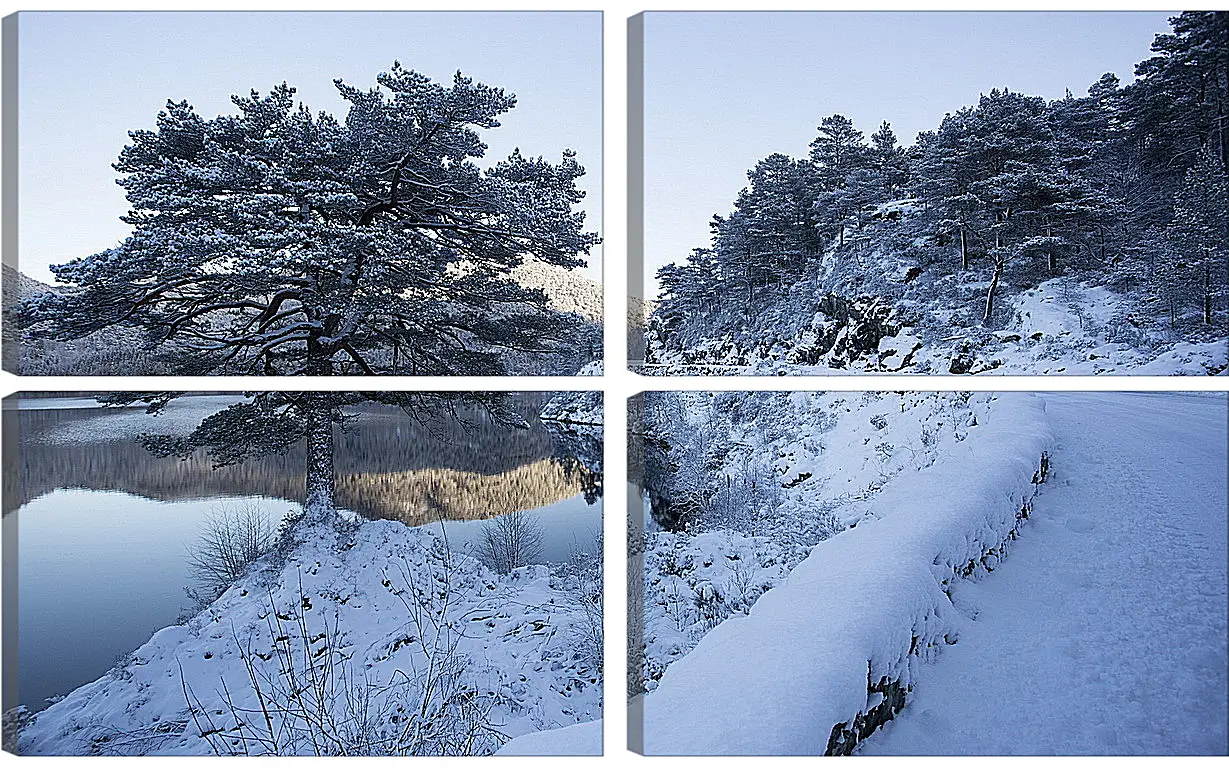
{"points": [[423, 639]]}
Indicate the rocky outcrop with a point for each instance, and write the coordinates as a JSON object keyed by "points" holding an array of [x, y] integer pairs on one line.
{"points": [[844, 332]]}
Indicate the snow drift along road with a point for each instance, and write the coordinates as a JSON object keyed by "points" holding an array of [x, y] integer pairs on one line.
{"points": [[1105, 631], [867, 605]]}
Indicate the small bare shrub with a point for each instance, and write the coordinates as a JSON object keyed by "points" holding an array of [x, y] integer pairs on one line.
{"points": [[585, 600], [307, 696], [637, 671], [233, 537], [510, 541]]}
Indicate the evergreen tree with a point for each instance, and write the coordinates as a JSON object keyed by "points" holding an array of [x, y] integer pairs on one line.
{"points": [[1092, 212], [1170, 277], [975, 170], [1179, 106], [838, 150], [944, 175], [782, 235], [277, 242], [845, 206], [1199, 236], [688, 291], [889, 160]]}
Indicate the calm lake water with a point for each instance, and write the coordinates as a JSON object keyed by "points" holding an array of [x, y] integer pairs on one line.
{"points": [[105, 528]]}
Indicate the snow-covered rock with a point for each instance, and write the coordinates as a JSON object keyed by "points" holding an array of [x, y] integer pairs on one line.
{"points": [[896, 303], [576, 408]]}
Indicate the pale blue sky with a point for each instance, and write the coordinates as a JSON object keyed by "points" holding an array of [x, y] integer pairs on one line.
{"points": [[724, 90], [86, 79]]}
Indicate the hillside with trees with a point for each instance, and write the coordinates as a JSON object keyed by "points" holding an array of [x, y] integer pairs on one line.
{"points": [[1083, 235]]}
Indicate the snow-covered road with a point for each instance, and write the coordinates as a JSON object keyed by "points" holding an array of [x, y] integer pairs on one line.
{"points": [[1104, 630]]}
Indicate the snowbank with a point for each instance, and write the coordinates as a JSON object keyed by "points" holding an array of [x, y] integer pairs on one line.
{"points": [[831, 652], [579, 739], [817, 459], [1105, 631]]}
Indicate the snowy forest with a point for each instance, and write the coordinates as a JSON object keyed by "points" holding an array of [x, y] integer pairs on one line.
{"points": [[278, 241], [1089, 234]]}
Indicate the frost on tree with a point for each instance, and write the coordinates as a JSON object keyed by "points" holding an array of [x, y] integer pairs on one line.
{"points": [[274, 241]]}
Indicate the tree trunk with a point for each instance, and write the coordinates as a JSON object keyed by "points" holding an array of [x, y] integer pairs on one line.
{"points": [[964, 249], [994, 286], [1221, 119], [319, 456], [1053, 257], [1207, 290], [750, 290]]}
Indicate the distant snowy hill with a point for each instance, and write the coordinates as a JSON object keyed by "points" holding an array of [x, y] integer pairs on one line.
{"points": [[15, 286], [569, 291], [19, 285], [113, 351]]}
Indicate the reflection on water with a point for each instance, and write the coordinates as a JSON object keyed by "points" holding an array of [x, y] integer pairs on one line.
{"points": [[105, 527], [388, 466], [98, 573]]}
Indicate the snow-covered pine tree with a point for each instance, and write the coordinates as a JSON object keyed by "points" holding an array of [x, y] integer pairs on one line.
{"points": [[990, 175], [694, 293], [889, 159], [1088, 204], [838, 150], [1199, 236], [845, 206], [943, 176], [274, 241], [779, 235], [1179, 106]]}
